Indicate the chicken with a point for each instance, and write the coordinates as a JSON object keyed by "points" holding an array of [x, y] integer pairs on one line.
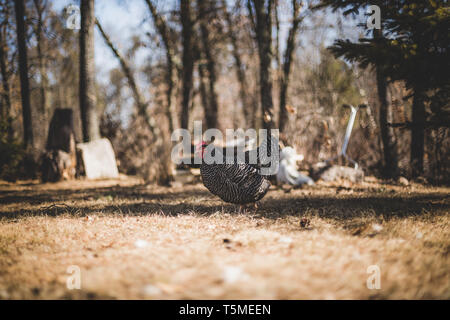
{"points": [[235, 182]]}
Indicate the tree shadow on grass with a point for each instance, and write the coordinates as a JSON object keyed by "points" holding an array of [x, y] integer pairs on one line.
{"points": [[115, 192], [139, 200], [357, 206]]}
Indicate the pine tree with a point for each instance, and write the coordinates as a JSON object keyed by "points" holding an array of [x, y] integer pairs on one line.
{"points": [[413, 48]]}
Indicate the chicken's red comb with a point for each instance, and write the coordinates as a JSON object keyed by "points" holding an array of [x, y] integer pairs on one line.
{"points": [[201, 143]]}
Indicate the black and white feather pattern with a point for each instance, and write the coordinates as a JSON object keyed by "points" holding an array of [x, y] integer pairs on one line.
{"points": [[237, 182]]}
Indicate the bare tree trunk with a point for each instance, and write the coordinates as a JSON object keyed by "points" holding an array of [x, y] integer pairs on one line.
{"points": [[40, 7], [42, 115], [164, 32], [88, 108], [248, 107], [251, 14], [387, 132], [213, 106], [277, 37], [23, 70], [6, 102], [263, 13], [164, 175], [188, 60], [256, 119], [141, 105], [5, 112], [418, 133], [288, 56], [203, 91]]}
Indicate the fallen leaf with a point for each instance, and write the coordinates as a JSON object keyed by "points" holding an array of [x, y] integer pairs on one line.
{"points": [[304, 223]]}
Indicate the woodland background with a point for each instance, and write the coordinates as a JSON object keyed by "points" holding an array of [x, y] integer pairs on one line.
{"points": [[230, 64]]}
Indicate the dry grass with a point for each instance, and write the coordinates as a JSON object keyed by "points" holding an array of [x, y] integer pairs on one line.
{"points": [[137, 241]]}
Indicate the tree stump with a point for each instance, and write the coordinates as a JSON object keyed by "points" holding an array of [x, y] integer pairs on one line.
{"points": [[59, 160]]}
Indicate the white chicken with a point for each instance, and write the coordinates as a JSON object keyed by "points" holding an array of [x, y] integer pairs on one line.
{"points": [[287, 172]]}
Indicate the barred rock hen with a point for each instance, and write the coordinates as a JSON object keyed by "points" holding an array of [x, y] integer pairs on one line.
{"points": [[238, 183]]}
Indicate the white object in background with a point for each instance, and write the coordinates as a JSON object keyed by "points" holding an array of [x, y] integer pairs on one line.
{"points": [[99, 159], [287, 172], [348, 132]]}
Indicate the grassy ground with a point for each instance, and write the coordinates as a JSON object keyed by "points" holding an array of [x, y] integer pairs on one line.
{"points": [[136, 241]]}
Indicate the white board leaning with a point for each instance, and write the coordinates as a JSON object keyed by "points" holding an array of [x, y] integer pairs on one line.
{"points": [[99, 159]]}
